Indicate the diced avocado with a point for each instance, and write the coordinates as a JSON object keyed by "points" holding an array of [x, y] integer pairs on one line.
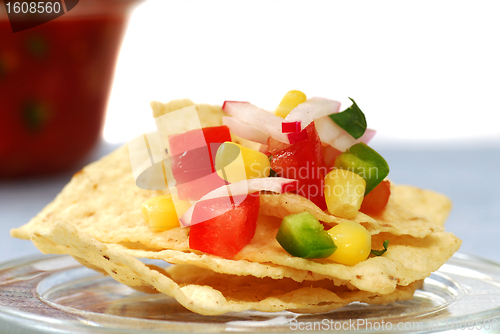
{"points": [[302, 235]]}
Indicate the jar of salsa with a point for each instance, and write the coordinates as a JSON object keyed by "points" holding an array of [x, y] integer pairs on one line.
{"points": [[55, 80]]}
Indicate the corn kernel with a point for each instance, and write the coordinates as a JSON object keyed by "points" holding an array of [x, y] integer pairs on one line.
{"points": [[162, 213], [235, 163], [344, 191], [290, 101], [353, 243]]}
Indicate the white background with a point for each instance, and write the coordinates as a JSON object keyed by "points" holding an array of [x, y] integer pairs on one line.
{"points": [[422, 71]]}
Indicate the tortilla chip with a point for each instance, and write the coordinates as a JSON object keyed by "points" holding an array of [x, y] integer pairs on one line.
{"points": [[395, 219], [209, 115], [434, 206], [103, 200], [204, 291], [231, 267], [408, 259]]}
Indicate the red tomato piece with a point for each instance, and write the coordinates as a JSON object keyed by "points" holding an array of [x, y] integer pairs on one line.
{"points": [[330, 154], [376, 200], [213, 137], [304, 162], [226, 234], [194, 190], [191, 165], [193, 153]]}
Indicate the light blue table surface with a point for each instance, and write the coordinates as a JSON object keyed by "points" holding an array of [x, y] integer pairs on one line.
{"points": [[469, 176]]}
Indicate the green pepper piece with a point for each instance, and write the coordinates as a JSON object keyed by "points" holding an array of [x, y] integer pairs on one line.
{"points": [[366, 162], [302, 235]]}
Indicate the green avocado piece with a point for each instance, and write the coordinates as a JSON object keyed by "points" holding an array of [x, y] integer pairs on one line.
{"points": [[302, 235]]}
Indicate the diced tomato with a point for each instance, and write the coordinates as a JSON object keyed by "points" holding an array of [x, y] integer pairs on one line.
{"points": [[195, 189], [193, 153], [212, 138], [304, 162], [215, 136], [225, 234], [330, 154], [376, 200], [191, 165]]}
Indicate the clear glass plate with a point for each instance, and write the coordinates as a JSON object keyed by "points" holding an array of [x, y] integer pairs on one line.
{"points": [[51, 293]]}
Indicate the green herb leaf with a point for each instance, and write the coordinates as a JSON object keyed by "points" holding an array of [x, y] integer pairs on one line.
{"points": [[351, 120], [380, 252]]}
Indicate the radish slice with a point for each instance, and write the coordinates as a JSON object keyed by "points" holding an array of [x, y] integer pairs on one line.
{"points": [[344, 141], [275, 184], [258, 118], [367, 136], [298, 136], [312, 109], [293, 127], [332, 134], [245, 130]]}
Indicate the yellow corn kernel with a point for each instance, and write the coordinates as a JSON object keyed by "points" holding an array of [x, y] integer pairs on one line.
{"points": [[235, 163], [344, 192], [353, 243], [291, 100], [163, 212]]}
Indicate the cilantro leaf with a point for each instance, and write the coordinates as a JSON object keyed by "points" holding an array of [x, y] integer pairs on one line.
{"points": [[380, 252], [351, 120]]}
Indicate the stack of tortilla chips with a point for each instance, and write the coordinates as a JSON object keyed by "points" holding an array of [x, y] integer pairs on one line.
{"points": [[97, 219]]}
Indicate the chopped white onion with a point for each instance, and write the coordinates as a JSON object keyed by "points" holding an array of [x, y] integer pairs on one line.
{"points": [[274, 184], [312, 109], [261, 119], [245, 130], [253, 123], [332, 134]]}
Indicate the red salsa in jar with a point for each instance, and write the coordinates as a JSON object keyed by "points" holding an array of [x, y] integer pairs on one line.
{"points": [[54, 85]]}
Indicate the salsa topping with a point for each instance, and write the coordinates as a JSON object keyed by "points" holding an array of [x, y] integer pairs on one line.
{"points": [[275, 184], [228, 232], [192, 155], [366, 162], [302, 161], [306, 146], [289, 102], [353, 243], [302, 235], [235, 163]]}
